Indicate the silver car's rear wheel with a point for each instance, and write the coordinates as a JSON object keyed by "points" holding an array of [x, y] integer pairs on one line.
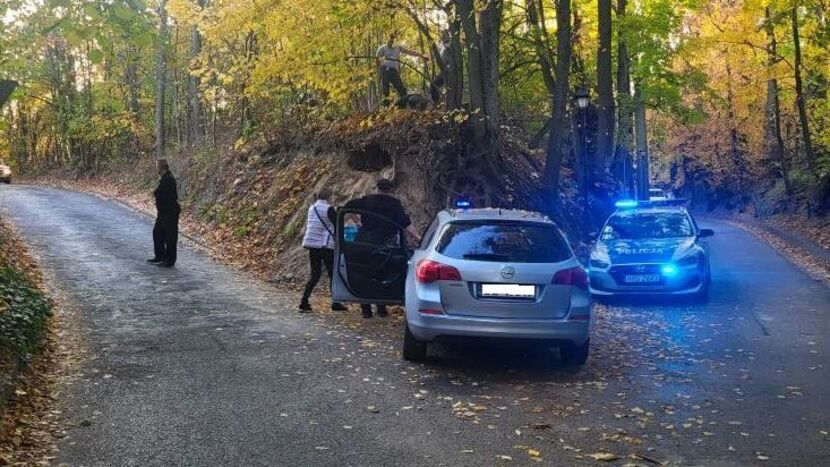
{"points": [[575, 354], [413, 349]]}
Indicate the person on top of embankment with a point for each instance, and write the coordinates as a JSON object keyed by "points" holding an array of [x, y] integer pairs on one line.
{"points": [[446, 63], [389, 66], [319, 241]]}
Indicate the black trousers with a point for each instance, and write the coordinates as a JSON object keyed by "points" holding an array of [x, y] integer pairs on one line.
{"points": [[317, 258], [165, 237], [391, 76], [366, 308]]}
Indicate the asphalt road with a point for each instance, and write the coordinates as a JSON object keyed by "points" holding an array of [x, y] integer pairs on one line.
{"points": [[202, 365]]}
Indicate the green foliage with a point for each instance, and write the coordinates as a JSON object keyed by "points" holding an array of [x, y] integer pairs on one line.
{"points": [[23, 318]]}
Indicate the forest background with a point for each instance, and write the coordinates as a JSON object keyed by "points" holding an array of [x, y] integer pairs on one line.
{"points": [[259, 102]]}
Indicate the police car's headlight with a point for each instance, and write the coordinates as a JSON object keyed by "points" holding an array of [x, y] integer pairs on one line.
{"points": [[599, 257]]}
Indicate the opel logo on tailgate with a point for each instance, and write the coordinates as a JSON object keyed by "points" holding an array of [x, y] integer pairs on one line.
{"points": [[507, 272]]}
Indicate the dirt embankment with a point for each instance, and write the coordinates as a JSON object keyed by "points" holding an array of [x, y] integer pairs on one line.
{"points": [[248, 202]]}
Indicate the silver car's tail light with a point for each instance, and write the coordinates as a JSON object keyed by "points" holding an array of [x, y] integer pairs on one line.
{"points": [[429, 271], [575, 276]]}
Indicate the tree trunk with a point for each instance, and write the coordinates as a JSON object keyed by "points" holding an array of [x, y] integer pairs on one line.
{"points": [[244, 111], [553, 160], [160, 78], [582, 161], [490, 33], [641, 138], [734, 137], [800, 98], [536, 22], [622, 151], [176, 97], [481, 39], [197, 119], [131, 77], [454, 77], [475, 67], [772, 111], [605, 95]]}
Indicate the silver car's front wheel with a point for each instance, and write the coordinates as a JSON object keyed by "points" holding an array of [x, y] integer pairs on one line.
{"points": [[413, 349]]}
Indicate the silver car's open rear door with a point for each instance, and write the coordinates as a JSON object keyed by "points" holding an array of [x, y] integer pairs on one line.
{"points": [[370, 259]]}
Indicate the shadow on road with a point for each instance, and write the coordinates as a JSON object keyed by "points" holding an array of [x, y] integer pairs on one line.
{"points": [[505, 360], [654, 300]]}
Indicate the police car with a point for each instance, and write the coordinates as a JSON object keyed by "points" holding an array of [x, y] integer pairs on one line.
{"points": [[650, 247]]}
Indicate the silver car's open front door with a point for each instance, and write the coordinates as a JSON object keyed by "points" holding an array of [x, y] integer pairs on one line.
{"points": [[370, 259]]}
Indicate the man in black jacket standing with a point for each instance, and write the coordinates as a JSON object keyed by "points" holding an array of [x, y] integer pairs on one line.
{"points": [[166, 230], [378, 232]]}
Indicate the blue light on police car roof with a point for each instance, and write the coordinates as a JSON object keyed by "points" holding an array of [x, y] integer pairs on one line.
{"points": [[669, 270], [626, 203], [463, 203]]}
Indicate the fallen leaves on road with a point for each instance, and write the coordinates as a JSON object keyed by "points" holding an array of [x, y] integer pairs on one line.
{"points": [[603, 456]]}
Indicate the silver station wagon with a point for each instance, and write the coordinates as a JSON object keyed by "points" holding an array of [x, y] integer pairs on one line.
{"points": [[477, 273]]}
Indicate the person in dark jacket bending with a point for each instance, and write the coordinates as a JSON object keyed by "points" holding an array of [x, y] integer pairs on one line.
{"points": [[166, 230], [374, 231]]}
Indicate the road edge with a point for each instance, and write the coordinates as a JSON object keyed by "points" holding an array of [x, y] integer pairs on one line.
{"points": [[32, 416], [804, 259]]}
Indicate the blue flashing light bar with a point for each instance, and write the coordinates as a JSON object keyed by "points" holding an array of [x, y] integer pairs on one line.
{"points": [[463, 203], [626, 203], [633, 203]]}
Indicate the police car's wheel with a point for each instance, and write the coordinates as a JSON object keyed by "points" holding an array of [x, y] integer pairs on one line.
{"points": [[413, 349], [575, 354], [702, 295]]}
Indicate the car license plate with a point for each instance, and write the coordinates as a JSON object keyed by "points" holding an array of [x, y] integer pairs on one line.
{"points": [[642, 278], [508, 291]]}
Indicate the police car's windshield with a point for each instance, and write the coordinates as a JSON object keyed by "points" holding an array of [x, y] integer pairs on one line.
{"points": [[640, 225]]}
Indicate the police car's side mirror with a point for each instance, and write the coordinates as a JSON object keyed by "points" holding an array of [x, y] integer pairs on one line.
{"points": [[705, 233]]}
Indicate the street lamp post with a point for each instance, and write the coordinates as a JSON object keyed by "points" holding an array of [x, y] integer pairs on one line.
{"points": [[582, 99]]}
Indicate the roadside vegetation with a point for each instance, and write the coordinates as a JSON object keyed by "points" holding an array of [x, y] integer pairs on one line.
{"points": [[24, 314], [37, 349]]}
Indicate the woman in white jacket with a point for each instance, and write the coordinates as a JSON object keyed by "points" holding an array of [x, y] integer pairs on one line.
{"points": [[319, 241]]}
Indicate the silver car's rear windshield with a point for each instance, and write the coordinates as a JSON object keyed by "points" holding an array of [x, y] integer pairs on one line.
{"points": [[642, 225], [503, 241]]}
